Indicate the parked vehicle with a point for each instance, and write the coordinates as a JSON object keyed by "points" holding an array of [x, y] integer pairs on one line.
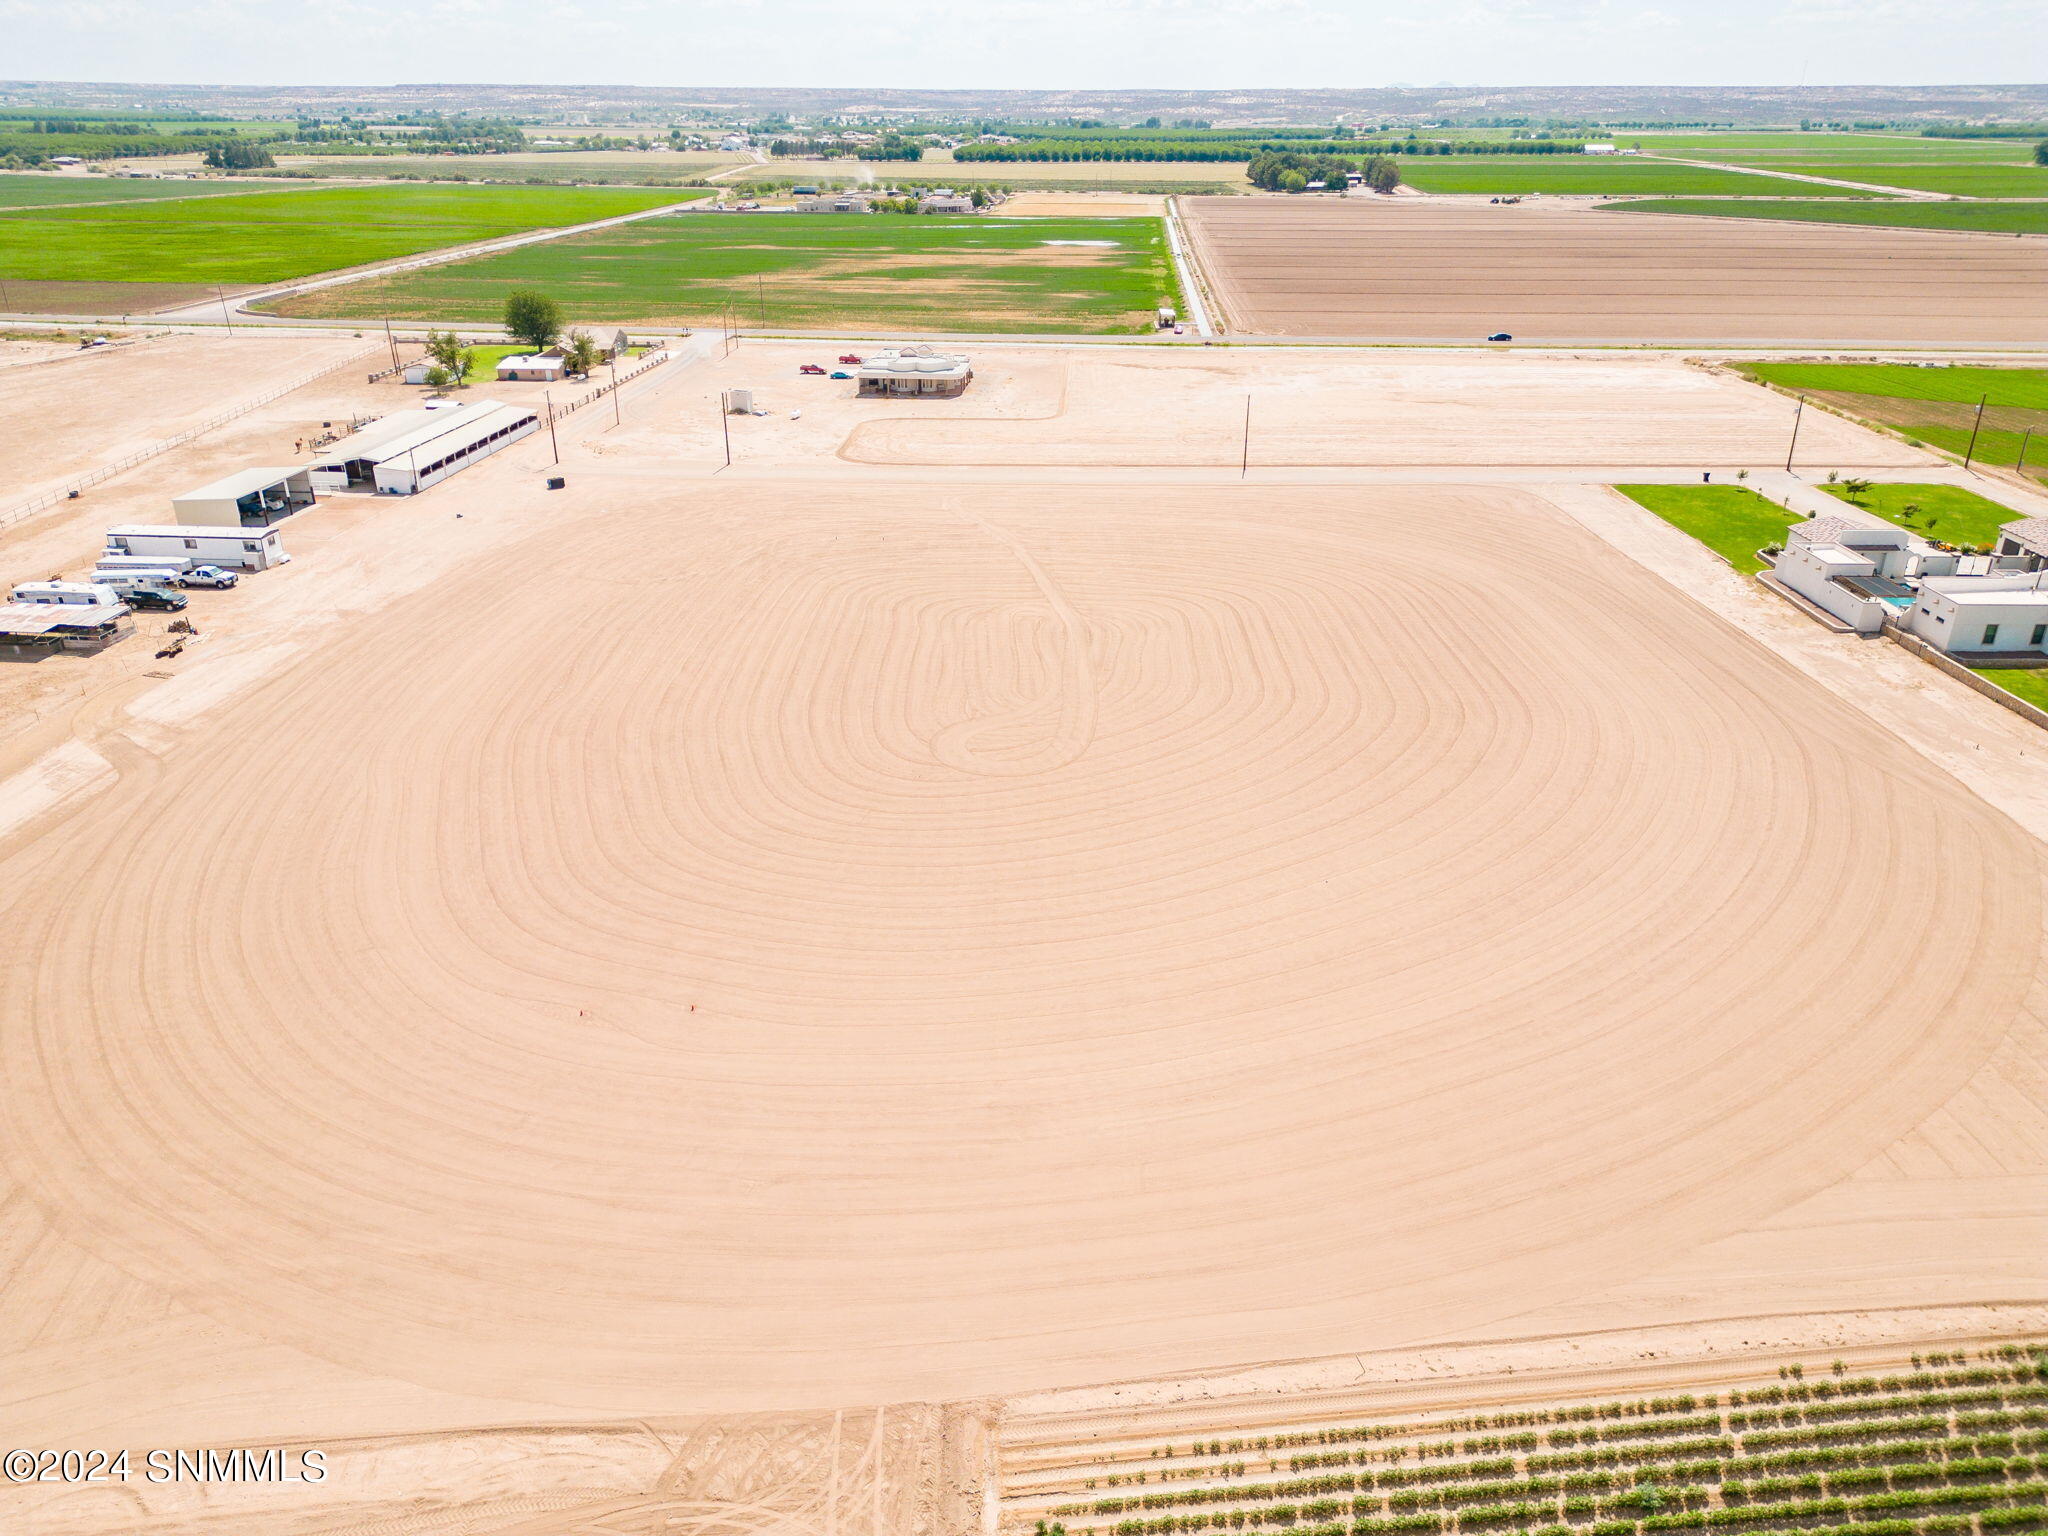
{"points": [[151, 597], [1500, 336], [129, 582], [177, 565], [207, 576], [841, 373], [848, 357], [78, 593], [812, 368]]}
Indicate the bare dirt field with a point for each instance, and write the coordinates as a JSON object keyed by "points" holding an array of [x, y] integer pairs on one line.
{"points": [[1178, 409], [1084, 205], [1430, 269], [74, 411], [555, 966]]}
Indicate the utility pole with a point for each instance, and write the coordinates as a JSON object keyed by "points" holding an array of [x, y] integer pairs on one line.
{"points": [[725, 425], [391, 341], [1971, 452], [1789, 447], [218, 295], [761, 298], [615, 391], [553, 441], [2025, 438], [1244, 463]]}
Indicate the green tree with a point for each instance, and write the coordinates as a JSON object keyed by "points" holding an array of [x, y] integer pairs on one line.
{"points": [[581, 353], [1292, 181], [239, 154], [2041, 153], [439, 377], [532, 317], [451, 356]]}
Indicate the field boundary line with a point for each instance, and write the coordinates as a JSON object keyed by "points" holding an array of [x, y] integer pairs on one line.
{"points": [[1919, 194], [30, 508]]}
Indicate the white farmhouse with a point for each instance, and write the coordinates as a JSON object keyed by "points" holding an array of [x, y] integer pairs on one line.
{"points": [[1857, 574]]}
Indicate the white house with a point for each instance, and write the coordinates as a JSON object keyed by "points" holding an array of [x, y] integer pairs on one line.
{"points": [[1598, 149], [533, 367], [1980, 615], [1855, 573], [251, 498], [917, 372]]}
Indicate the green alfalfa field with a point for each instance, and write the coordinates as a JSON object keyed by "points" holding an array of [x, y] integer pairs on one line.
{"points": [[903, 272]]}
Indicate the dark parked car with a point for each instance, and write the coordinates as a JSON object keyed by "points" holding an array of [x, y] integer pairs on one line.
{"points": [[149, 597], [1500, 336]]}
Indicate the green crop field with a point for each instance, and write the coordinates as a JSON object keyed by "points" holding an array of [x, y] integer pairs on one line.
{"points": [[1731, 520], [1934, 406], [611, 167], [2024, 387], [1764, 149], [806, 271], [1947, 1448], [27, 191], [271, 237], [1594, 174], [1945, 512], [1891, 213], [1961, 180]]}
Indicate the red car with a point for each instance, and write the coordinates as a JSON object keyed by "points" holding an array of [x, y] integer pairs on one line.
{"points": [[848, 357], [811, 368]]}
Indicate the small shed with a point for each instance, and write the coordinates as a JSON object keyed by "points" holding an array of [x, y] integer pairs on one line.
{"points": [[945, 202], [416, 373], [532, 367], [250, 498]]}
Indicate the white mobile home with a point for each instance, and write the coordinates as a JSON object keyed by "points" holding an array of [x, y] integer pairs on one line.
{"points": [[246, 549], [253, 498], [402, 472]]}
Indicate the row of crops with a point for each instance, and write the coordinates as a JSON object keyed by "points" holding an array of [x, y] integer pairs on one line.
{"points": [[1950, 1448]]}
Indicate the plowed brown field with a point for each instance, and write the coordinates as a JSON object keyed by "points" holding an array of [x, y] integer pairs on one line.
{"points": [[1428, 269], [1017, 938]]}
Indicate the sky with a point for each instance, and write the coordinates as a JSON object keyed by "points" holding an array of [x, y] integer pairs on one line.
{"points": [[1030, 44]]}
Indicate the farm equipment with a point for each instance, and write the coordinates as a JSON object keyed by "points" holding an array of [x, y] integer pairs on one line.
{"points": [[812, 368]]}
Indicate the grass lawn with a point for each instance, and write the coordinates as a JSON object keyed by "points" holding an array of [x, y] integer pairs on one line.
{"points": [[269, 237], [807, 271], [1731, 520], [27, 191], [2026, 387], [1945, 512], [1593, 174], [1894, 213], [2024, 180], [2029, 683]]}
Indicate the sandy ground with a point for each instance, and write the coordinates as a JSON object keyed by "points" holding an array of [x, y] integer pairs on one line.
{"points": [[1151, 408], [1079, 205], [76, 410], [770, 943], [1444, 269]]}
